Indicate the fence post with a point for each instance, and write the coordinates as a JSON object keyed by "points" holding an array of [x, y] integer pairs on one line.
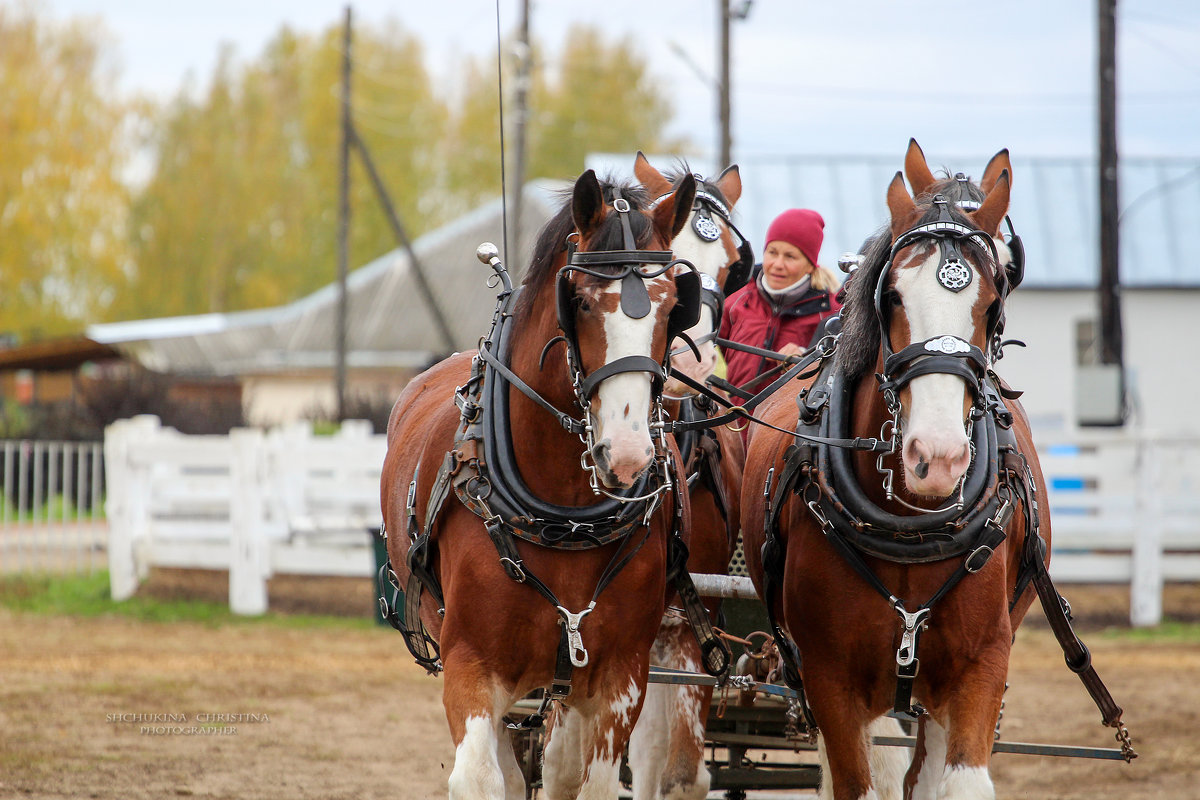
{"points": [[249, 558], [126, 506], [1145, 594]]}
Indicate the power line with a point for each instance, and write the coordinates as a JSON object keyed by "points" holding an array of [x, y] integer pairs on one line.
{"points": [[1165, 49]]}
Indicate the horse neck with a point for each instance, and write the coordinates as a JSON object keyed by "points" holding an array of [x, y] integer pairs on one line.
{"points": [[868, 413], [547, 455]]}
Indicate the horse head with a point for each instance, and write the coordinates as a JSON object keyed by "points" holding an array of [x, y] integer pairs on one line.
{"points": [[939, 302], [707, 242], [621, 298]]}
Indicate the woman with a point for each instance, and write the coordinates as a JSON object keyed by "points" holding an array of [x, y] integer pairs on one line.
{"points": [[781, 309]]}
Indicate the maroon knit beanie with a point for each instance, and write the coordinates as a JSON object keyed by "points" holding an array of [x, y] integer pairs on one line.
{"points": [[801, 227]]}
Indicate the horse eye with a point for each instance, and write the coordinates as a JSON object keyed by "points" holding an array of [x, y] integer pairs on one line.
{"points": [[894, 299], [582, 304]]}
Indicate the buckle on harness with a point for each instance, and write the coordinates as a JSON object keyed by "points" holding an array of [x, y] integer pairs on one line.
{"points": [[579, 654], [906, 653], [514, 568], [983, 553]]}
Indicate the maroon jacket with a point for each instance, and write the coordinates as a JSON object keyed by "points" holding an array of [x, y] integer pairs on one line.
{"points": [[751, 317]]}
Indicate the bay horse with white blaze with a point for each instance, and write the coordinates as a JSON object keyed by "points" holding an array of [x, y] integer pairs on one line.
{"points": [[858, 569], [525, 580], [666, 750]]}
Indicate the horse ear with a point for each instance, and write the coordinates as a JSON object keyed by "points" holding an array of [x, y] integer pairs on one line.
{"points": [[587, 203], [672, 214], [730, 184], [991, 172], [900, 204], [989, 215], [651, 178], [916, 168]]}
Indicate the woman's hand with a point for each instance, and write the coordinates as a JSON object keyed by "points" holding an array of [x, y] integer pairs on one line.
{"points": [[790, 349]]}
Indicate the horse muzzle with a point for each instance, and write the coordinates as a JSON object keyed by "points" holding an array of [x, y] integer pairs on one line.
{"points": [[621, 463], [934, 466]]}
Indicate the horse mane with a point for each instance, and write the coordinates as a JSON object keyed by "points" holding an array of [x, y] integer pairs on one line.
{"points": [[858, 348], [552, 239], [676, 174]]}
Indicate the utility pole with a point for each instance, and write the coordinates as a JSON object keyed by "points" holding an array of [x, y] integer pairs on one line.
{"points": [[1111, 337], [343, 246], [523, 56], [725, 137], [724, 82]]}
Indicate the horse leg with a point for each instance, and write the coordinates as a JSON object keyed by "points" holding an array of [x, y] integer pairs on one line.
{"points": [[484, 765], [583, 754], [963, 730], [925, 777], [844, 748], [562, 760], [666, 749], [968, 750], [514, 777], [888, 764]]}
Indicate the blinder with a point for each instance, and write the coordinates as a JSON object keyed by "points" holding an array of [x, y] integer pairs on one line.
{"points": [[739, 272], [710, 201], [686, 312], [1015, 269]]}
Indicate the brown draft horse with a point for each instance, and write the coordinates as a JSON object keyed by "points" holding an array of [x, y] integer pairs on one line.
{"points": [[666, 751], [853, 568], [601, 275]]}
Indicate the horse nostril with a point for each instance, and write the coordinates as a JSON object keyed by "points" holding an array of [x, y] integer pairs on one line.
{"points": [[600, 454], [921, 469]]}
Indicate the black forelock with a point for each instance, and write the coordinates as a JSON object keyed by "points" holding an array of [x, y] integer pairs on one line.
{"points": [[702, 184], [953, 190], [552, 239]]}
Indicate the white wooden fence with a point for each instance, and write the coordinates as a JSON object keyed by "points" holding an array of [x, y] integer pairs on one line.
{"points": [[253, 503], [1125, 507]]}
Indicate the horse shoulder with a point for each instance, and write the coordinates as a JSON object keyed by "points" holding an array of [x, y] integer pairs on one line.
{"points": [[422, 421]]}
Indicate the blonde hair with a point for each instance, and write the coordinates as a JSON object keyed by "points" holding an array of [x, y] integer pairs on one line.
{"points": [[824, 279]]}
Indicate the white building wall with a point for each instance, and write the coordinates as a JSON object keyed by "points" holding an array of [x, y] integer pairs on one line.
{"points": [[277, 399], [1162, 365]]}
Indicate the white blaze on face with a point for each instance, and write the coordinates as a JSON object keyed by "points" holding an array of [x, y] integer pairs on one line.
{"points": [[622, 433], [708, 258], [934, 431]]}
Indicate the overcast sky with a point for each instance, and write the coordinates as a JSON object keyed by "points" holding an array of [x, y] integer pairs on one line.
{"points": [[850, 77]]}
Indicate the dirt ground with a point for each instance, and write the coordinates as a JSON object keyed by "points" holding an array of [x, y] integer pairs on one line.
{"points": [[112, 708]]}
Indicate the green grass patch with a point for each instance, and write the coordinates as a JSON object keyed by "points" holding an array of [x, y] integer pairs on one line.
{"points": [[88, 596], [1170, 631], [56, 509]]}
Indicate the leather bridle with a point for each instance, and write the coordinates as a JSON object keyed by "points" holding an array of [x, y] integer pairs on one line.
{"points": [[944, 354]]}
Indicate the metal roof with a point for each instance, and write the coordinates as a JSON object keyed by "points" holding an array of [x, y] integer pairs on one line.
{"points": [[389, 324], [1054, 209]]}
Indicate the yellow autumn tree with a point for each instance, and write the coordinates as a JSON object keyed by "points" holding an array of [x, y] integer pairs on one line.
{"points": [[241, 208], [597, 95], [63, 205]]}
